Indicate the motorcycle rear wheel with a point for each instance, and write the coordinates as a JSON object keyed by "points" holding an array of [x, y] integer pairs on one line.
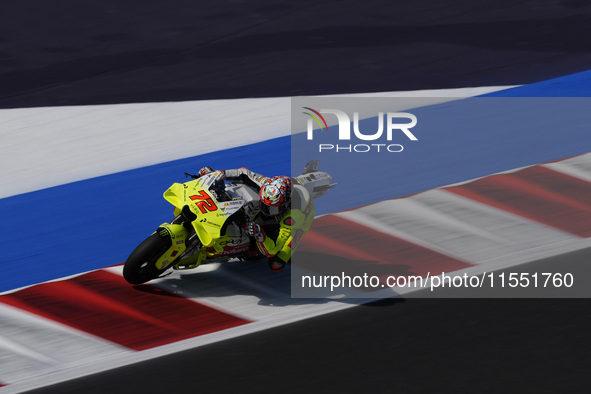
{"points": [[140, 266]]}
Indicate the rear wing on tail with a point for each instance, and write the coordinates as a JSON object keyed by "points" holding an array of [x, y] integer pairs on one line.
{"points": [[316, 182]]}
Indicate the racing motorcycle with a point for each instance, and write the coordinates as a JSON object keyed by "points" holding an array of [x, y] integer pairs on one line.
{"points": [[209, 225]]}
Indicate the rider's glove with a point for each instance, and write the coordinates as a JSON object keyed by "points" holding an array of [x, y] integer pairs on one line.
{"points": [[205, 170], [255, 231]]}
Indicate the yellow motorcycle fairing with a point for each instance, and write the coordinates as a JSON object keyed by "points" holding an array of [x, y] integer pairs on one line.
{"points": [[178, 234], [210, 218]]}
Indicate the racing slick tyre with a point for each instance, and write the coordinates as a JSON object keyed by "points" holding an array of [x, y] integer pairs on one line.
{"points": [[140, 266]]}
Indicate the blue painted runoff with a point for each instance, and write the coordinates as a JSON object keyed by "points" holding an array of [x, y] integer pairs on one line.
{"points": [[95, 223]]}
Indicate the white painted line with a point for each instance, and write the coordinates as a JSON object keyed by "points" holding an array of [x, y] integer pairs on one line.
{"points": [[456, 226], [120, 359], [32, 346], [44, 147], [578, 167]]}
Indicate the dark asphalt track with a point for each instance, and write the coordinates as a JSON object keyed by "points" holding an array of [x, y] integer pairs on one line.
{"points": [[395, 345], [67, 52]]}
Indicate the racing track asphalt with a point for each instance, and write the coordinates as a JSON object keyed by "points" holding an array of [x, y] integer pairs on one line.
{"points": [[394, 345], [124, 51], [114, 51]]}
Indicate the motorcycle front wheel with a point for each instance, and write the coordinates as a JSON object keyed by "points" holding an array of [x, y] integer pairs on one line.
{"points": [[140, 266]]}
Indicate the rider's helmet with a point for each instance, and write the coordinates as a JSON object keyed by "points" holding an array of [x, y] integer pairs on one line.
{"points": [[205, 170], [275, 195]]}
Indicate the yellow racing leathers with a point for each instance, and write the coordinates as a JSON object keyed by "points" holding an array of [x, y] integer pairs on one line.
{"points": [[277, 237], [293, 224]]}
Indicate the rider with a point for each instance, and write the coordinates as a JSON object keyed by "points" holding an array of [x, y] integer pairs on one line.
{"points": [[284, 214]]}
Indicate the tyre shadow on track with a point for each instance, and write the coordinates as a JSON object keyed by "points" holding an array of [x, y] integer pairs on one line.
{"points": [[255, 284]]}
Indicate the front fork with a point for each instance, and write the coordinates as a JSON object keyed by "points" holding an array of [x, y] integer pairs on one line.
{"points": [[177, 234]]}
